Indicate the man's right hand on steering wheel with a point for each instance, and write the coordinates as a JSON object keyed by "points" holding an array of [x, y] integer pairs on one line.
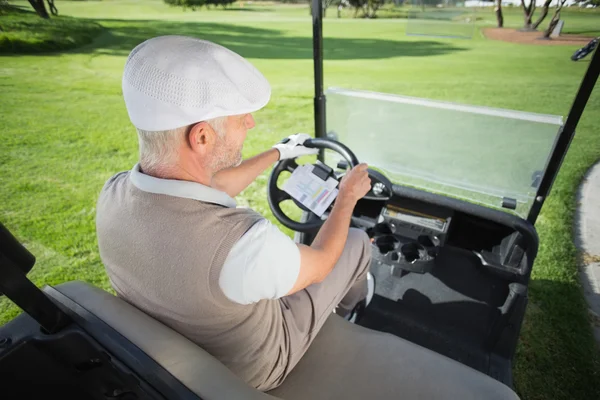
{"points": [[355, 184], [318, 259]]}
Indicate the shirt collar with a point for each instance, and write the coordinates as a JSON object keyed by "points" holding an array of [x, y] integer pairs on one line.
{"points": [[185, 189]]}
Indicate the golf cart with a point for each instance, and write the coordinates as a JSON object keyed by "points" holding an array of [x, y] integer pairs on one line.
{"points": [[453, 243]]}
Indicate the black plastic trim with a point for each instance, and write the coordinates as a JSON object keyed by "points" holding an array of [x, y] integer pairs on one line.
{"points": [[15, 251], [28, 297], [561, 146], [319, 99], [520, 225]]}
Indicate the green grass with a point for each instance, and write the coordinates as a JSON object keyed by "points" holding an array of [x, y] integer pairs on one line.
{"points": [[577, 21], [65, 131], [22, 31]]}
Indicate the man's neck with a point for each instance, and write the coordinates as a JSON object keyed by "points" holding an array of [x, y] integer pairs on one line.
{"points": [[179, 172]]}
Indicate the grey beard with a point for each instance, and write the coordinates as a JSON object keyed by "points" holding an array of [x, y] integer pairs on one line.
{"points": [[223, 161]]}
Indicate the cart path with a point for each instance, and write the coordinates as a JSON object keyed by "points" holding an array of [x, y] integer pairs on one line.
{"points": [[587, 239]]}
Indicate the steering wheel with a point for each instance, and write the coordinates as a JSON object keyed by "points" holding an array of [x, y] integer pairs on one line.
{"points": [[275, 195]]}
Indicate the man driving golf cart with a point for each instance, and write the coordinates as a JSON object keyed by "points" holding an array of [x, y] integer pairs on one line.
{"points": [[176, 246], [449, 206]]}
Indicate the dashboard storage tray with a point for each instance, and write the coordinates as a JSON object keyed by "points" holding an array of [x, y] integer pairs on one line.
{"points": [[400, 252]]}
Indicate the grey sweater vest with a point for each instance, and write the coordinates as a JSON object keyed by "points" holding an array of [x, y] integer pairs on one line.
{"points": [[164, 255]]}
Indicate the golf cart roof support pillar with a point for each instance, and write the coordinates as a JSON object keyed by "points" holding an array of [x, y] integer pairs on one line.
{"points": [[15, 262], [317, 19], [565, 136]]}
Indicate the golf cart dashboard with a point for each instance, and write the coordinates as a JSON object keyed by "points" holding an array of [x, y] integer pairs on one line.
{"points": [[409, 229], [405, 234]]}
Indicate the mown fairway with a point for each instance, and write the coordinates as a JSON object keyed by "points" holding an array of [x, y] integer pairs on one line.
{"points": [[65, 131]]}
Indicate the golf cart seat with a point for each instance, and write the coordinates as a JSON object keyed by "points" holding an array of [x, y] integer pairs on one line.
{"points": [[345, 361]]}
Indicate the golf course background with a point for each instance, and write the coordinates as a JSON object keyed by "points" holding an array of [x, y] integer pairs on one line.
{"points": [[65, 131]]}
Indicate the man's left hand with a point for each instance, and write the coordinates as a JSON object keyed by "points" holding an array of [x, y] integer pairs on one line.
{"points": [[292, 147]]}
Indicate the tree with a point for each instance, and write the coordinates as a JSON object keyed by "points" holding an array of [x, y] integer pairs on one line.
{"points": [[369, 7], [590, 2], [358, 6], [545, 8], [374, 5], [40, 8], [52, 7], [555, 18], [222, 3], [325, 4], [499, 16], [528, 11], [194, 4]]}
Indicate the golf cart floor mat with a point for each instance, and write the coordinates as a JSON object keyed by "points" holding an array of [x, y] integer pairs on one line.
{"points": [[449, 310]]}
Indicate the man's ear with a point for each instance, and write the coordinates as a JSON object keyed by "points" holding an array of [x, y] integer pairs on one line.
{"points": [[201, 138]]}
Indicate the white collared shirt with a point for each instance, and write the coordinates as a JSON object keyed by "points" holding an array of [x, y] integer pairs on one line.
{"points": [[263, 264]]}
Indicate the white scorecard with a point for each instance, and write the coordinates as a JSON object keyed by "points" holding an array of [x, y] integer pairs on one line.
{"points": [[311, 191]]}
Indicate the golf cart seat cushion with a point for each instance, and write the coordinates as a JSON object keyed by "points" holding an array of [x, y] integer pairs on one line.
{"points": [[345, 360], [348, 361]]}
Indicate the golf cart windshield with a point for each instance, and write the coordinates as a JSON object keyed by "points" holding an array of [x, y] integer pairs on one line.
{"points": [[484, 155]]}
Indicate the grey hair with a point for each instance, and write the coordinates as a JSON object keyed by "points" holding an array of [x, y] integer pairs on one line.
{"points": [[160, 148]]}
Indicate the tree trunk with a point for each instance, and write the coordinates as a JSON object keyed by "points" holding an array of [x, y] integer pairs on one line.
{"points": [[374, 7], [527, 24], [40, 8], [552, 24], [364, 7], [528, 14], [555, 19], [499, 15], [544, 14], [52, 7]]}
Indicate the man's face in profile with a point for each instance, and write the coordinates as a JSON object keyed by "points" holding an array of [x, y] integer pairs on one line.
{"points": [[228, 150]]}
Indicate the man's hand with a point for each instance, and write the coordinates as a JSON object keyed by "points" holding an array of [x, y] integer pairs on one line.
{"points": [[355, 184], [318, 259], [291, 147]]}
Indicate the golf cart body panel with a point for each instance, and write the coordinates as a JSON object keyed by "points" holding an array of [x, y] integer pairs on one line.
{"points": [[345, 361]]}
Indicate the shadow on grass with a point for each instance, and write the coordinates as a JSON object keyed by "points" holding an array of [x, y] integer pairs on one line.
{"points": [[23, 32], [592, 32], [553, 358], [254, 42]]}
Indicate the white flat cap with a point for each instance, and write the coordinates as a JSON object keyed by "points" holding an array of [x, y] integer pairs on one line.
{"points": [[175, 81]]}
